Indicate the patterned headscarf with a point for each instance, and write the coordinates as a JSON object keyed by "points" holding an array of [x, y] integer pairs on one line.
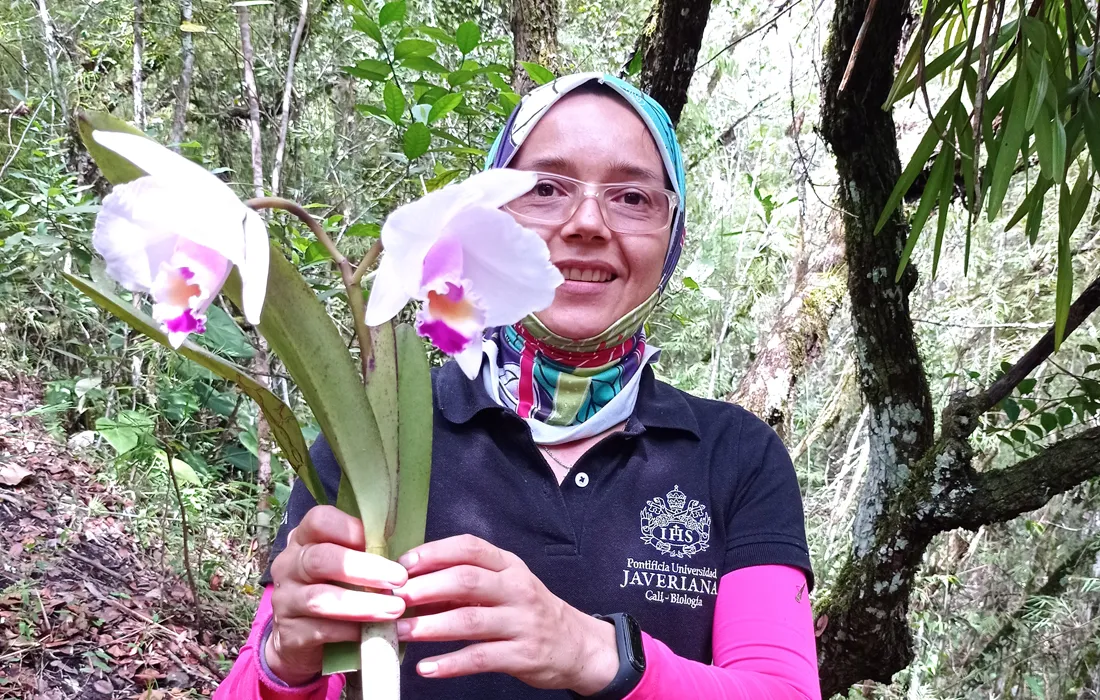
{"points": [[569, 388]]}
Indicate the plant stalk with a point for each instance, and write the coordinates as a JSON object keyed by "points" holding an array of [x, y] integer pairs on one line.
{"points": [[379, 656], [347, 274]]}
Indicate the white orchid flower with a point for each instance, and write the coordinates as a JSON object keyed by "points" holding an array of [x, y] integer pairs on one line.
{"points": [[176, 233], [470, 264]]}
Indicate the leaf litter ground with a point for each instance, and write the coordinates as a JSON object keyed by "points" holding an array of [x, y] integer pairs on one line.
{"points": [[85, 610]]}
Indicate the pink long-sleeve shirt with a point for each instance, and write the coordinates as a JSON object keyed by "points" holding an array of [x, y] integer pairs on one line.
{"points": [[764, 649]]}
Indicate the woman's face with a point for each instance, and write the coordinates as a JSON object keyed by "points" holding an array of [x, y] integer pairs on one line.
{"points": [[599, 139]]}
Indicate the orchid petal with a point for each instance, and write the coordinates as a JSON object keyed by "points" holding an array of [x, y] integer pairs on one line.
{"points": [[496, 187], [470, 359], [155, 159], [254, 266], [508, 266], [134, 249], [387, 294]]}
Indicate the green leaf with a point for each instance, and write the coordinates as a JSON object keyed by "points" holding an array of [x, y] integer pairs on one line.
{"points": [[126, 430], [224, 337], [382, 393], [299, 330], [413, 47], [114, 167], [418, 139], [394, 100], [498, 82], [928, 200], [362, 230], [459, 77], [1027, 386], [1039, 93], [369, 27], [947, 189], [920, 156], [424, 64], [635, 65], [442, 179], [1011, 409], [468, 37], [539, 74], [392, 12], [1049, 421], [438, 34], [444, 106], [414, 389], [370, 69], [508, 100], [1009, 145], [1065, 416], [283, 422]]}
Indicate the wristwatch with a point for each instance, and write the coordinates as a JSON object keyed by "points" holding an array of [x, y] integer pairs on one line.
{"points": [[628, 640]]}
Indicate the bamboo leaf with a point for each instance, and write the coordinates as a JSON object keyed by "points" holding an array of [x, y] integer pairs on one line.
{"points": [[283, 422], [947, 188], [1039, 93], [1012, 135], [920, 156], [1035, 212], [1044, 144], [927, 201]]}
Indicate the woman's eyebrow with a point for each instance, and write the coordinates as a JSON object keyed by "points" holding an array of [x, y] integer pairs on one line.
{"points": [[622, 170]]}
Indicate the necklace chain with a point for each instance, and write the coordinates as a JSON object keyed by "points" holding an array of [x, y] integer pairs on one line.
{"points": [[552, 456]]}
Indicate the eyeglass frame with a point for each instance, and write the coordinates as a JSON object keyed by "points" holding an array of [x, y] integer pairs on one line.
{"points": [[597, 190]]}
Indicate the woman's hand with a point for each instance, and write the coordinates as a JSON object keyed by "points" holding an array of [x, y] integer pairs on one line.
{"points": [[310, 610], [490, 596]]}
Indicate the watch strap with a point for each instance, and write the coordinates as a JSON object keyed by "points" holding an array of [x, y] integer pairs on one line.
{"points": [[628, 642]]}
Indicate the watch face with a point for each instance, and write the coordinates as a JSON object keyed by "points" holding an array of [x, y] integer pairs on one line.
{"points": [[634, 639]]}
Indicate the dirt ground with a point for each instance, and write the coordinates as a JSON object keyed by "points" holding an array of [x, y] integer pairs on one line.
{"points": [[85, 610]]}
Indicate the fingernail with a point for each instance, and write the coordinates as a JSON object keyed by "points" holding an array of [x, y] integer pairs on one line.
{"points": [[408, 559], [427, 668], [403, 627]]}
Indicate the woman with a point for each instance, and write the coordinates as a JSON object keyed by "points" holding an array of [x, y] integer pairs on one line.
{"points": [[591, 530]]}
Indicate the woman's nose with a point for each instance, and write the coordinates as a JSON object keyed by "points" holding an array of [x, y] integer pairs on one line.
{"points": [[587, 221]]}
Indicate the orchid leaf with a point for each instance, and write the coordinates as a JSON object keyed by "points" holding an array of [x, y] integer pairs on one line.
{"points": [[382, 393], [414, 397], [281, 418], [114, 167], [299, 330]]}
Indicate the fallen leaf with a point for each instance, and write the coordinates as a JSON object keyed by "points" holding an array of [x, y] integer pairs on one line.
{"points": [[13, 474]]}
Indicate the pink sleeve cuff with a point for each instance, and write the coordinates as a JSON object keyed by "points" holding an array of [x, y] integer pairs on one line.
{"points": [[251, 679], [764, 644]]}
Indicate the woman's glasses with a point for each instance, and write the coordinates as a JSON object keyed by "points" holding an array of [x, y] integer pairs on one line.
{"points": [[627, 207]]}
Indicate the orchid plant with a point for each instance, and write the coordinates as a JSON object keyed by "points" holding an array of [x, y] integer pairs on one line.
{"points": [[174, 231]]}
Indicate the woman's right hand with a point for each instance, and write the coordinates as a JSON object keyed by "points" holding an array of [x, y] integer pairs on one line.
{"points": [[310, 609]]}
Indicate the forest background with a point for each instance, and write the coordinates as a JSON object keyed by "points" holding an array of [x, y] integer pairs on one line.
{"points": [[946, 450]]}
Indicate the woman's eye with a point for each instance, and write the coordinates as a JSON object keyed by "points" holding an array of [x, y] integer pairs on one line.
{"points": [[545, 189], [633, 198]]}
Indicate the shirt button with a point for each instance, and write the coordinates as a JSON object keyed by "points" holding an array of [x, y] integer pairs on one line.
{"points": [[581, 479]]}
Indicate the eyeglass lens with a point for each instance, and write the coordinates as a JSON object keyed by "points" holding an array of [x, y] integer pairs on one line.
{"points": [[627, 208]]}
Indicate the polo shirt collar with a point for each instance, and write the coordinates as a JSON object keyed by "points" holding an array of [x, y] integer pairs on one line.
{"points": [[658, 406]]}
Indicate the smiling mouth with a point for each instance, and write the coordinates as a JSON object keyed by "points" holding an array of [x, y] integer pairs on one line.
{"points": [[576, 274]]}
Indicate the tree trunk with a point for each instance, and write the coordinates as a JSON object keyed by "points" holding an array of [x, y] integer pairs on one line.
{"points": [[49, 41], [288, 89], [253, 99], [534, 38], [669, 46], [796, 337], [183, 88], [136, 78]]}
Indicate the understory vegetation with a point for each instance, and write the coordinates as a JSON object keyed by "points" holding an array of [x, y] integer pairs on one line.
{"points": [[947, 457]]}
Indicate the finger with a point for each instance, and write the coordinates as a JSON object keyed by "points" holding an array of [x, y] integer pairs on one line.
{"points": [[321, 562], [461, 624], [458, 584], [290, 637], [452, 551], [485, 657], [322, 600], [327, 524]]}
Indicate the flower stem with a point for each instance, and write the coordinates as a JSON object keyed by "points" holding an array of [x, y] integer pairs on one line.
{"points": [[347, 274], [367, 261]]}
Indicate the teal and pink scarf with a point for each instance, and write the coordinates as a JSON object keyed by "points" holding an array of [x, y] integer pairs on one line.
{"points": [[568, 389]]}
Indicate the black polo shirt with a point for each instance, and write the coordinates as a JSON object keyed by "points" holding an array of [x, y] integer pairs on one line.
{"points": [[646, 522]]}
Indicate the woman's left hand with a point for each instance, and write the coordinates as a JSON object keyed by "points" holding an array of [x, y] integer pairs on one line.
{"points": [[489, 596]]}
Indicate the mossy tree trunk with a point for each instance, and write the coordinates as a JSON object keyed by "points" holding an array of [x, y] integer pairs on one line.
{"points": [[534, 38], [669, 46], [918, 485]]}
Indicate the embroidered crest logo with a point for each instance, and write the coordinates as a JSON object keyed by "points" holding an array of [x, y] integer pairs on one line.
{"points": [[675, 527]]}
